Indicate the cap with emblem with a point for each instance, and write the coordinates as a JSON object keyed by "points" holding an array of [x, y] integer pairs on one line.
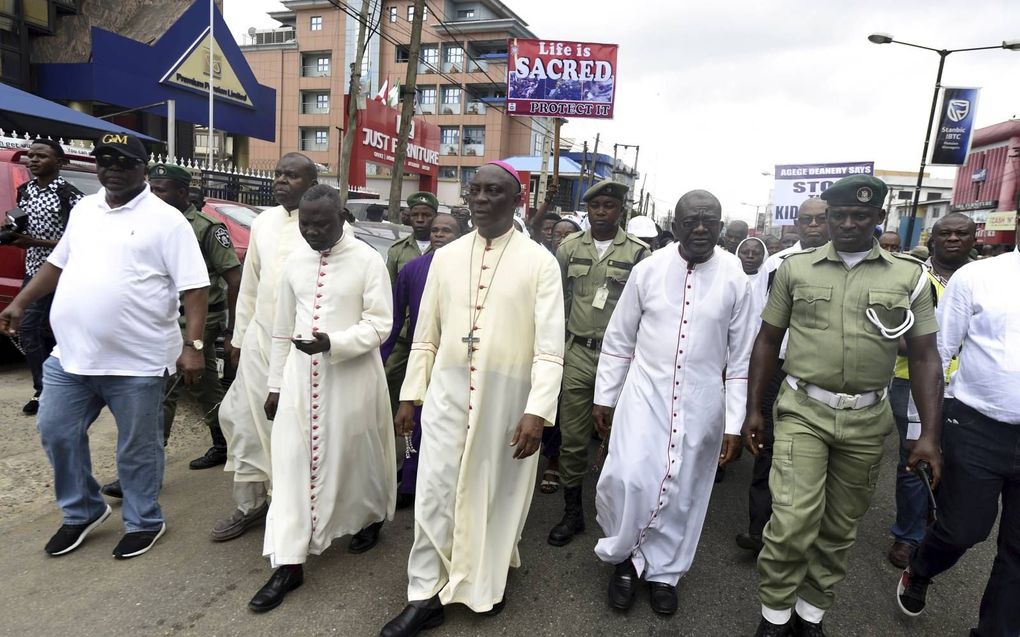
{"points": [[613, 189], [127, 145], [857, 190], [423, 199], [170, 171]]}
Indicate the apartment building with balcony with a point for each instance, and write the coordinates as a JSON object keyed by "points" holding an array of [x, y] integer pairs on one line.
{"points": [[461, 85]]}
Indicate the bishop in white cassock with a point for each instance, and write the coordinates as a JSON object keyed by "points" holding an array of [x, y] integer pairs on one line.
{"points": [[684, 319], [486, 362], [333, 450], [274, 235]]}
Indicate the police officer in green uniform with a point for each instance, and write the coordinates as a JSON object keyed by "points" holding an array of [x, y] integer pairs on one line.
{"points": [[423, 207], [845, 304], [595, 265]]}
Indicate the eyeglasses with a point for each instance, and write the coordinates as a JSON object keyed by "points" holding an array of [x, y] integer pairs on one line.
{"points": [[709, 223], [807, 220], [121, 161]]}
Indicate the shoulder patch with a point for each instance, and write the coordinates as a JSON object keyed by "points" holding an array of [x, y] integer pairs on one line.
{"points": [[907, 257], [573, 236], [223, 237]]}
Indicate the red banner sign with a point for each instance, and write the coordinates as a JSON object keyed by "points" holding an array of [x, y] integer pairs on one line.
{"points": [[552, 78], [377, 134]]}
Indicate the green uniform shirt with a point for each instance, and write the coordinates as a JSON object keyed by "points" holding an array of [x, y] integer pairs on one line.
{"points": [[584, 274], [832, 343], [217, 250], [400, 253]]}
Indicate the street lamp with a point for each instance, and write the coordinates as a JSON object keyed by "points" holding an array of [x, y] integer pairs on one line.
{"points": [[885, 38]]}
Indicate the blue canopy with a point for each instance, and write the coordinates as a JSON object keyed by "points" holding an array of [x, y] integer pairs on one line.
{"points": [[27, 113]]}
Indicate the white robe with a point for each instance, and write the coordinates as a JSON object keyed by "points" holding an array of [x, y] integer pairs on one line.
{"points": [[672, 334], [472, 497], [274, 235], [333, 453]]}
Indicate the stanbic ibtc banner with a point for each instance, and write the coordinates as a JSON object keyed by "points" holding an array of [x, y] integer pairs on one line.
{"points": [[798, 182], [956, 126]]}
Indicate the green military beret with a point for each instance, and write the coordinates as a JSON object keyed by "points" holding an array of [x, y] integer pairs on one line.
{"points": [[170, 171], [613, 189], [858, 190], [423, 199]]}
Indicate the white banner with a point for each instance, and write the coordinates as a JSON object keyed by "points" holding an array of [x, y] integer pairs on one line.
{"points": [[796, 183]]}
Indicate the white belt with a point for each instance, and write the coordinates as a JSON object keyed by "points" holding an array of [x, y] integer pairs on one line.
{"points": [[838, 400]]}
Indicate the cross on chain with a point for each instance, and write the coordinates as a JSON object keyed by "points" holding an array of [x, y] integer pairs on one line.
{"points": [[470, 340]]}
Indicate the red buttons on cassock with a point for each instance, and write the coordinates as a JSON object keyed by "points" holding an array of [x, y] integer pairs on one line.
{"points": [[318, 296]]}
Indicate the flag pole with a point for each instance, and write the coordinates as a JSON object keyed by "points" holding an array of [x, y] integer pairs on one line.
{"points": [[211, 141]]}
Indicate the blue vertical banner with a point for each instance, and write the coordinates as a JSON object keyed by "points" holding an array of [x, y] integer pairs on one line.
{"points": [[955, 127]]}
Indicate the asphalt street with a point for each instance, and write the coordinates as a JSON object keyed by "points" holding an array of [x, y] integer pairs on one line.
{"points": [[188, 585]]}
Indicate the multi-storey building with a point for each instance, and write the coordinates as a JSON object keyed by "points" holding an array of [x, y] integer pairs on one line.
{"points": [[461, 84]]}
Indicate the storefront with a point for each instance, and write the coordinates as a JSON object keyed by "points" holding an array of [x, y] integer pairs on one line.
{"points": [[987, 187], [375, 142]]}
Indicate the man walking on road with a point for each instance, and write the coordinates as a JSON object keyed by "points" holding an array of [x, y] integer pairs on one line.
{"points": [[832, 415], [125, 263]]}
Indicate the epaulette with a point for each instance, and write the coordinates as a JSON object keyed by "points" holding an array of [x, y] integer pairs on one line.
{"points": [[906, 256], [573, 236], [639, 241], [783, 257]]}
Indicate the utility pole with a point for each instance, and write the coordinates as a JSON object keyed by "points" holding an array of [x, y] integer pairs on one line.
{"points": [[352, 105], [583, 180], [406, 112], [543, 176]]}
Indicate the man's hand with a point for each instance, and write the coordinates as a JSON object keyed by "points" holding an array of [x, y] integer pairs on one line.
{"points": [[191, 365], [231, 353], [925, 448], [272, 402], [528, 437], [320, 344], [730, 449], [753, 432], [603, 417], [403, 421], [10, 318]]}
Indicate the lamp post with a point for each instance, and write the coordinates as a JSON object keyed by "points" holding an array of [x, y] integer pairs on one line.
{"points": [[885, 38]]}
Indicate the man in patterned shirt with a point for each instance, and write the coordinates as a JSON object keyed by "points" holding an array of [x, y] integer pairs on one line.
{"points": [[48, 199]]}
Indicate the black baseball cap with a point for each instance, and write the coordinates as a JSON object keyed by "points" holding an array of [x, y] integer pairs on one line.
{"points": [[127, 145]]}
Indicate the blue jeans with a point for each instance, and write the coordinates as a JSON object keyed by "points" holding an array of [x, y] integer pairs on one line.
{"points": [[911, 496], [36, 339], [68, 407]]}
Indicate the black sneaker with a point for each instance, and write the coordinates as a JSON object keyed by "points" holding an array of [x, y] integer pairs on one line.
{"points": [[70, 536], [31, 407], [912, 593], [214, 457], [134, 544], [112, 490]]}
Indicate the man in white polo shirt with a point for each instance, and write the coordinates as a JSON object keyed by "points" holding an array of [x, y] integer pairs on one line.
{"points": [[117, 271]]}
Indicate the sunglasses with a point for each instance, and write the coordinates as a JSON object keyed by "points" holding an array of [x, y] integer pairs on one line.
{"points": [[709, 223], [121, 161]]}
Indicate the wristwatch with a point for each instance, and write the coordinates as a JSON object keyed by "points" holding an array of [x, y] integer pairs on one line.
{"points": [[197, 344]]}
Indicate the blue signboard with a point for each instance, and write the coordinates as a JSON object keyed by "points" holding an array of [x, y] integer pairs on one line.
{"points": [[955, 127]]}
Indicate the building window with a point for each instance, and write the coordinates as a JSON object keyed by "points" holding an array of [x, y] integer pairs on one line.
{"points": [[315, 65], [451, 100], [466, 174], [453, 59], [447, 172], [474, 141], [932, 196], [429, 59], [427, 100], [316, 23], [403, 54], [317, 103], [449, 140], [322, 103], [393, 14], [465, 14], [410, 13], [322, 65], [314, 139], [322, 138], [425, 14]]}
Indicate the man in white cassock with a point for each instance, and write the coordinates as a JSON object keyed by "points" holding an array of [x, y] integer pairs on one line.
{"points": [[333, 452], [684, 320], [274, 235], [486, 362]]}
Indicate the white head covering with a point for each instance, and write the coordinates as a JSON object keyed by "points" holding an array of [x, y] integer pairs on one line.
{"points": [[642, 227], [764, 247]]}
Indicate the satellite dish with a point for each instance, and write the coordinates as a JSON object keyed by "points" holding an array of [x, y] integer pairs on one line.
{"points": [[252, 31]]}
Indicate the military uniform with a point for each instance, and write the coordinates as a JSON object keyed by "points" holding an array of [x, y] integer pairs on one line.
{"points": [[592, 285], [832, 414]]}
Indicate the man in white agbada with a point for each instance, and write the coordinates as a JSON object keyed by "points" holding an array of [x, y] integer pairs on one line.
{"points": [[684, 317], [486, 361], [274, 235], [333, 454]]}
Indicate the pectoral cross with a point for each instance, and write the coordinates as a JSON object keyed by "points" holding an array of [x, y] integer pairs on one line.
{"points": [[470, 340]]}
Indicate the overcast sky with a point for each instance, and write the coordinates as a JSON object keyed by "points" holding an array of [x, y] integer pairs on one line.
{"points": [[716, 93]]}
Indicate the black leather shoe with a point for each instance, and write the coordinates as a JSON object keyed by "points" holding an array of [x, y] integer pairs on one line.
{"points": [[31, 407], [416, 617], [496, 609], [623, 585], [365, 539], [113, 490], [283, 581], [800, 627], [573, 518], [405, 500], [662, 598], [750, 542], [214, 457], [768, 629]]}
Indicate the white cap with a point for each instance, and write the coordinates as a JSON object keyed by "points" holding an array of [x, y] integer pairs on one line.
{"points": [[642, 227]]}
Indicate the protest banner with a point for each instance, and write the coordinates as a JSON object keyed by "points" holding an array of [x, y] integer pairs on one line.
{"points": [[795, 183], [553, 78]]}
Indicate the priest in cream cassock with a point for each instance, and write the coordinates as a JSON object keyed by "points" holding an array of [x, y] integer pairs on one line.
{"points": [[684, 319], [274, 234], [333, 452], [486, 362]]}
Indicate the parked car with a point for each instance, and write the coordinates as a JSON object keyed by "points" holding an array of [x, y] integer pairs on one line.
{"points": [[359, 207]]}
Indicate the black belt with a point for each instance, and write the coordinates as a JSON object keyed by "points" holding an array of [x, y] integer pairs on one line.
{"points": [[590, 343], [215, 307]]}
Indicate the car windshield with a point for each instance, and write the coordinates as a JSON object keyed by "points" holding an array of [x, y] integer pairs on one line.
{"points": [[241, 214], [88, 183]]}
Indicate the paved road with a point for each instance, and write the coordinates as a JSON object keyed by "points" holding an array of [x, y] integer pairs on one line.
{"points": [[188, 585]]}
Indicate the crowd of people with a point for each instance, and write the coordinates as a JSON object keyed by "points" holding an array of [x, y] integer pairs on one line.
{"points": [[433, 378]]}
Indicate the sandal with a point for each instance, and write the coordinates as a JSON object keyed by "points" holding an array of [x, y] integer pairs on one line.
{"points": [[550, 482]]}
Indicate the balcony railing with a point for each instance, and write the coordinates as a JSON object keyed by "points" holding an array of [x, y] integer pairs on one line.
{"points": [[427, 109], [449, 109], [453, 67], [311, 144], [314, 71], [311, 108], [449, 149], [474, 150], [477, 66], [475, 108]]}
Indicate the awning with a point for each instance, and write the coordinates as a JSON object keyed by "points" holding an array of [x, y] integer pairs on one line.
{"points": [[533, 164], [27, 113]]}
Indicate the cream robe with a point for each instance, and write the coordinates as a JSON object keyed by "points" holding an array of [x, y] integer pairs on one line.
{"points": [[274, 235], [472, 496], [333, 451], [673, 332]]}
